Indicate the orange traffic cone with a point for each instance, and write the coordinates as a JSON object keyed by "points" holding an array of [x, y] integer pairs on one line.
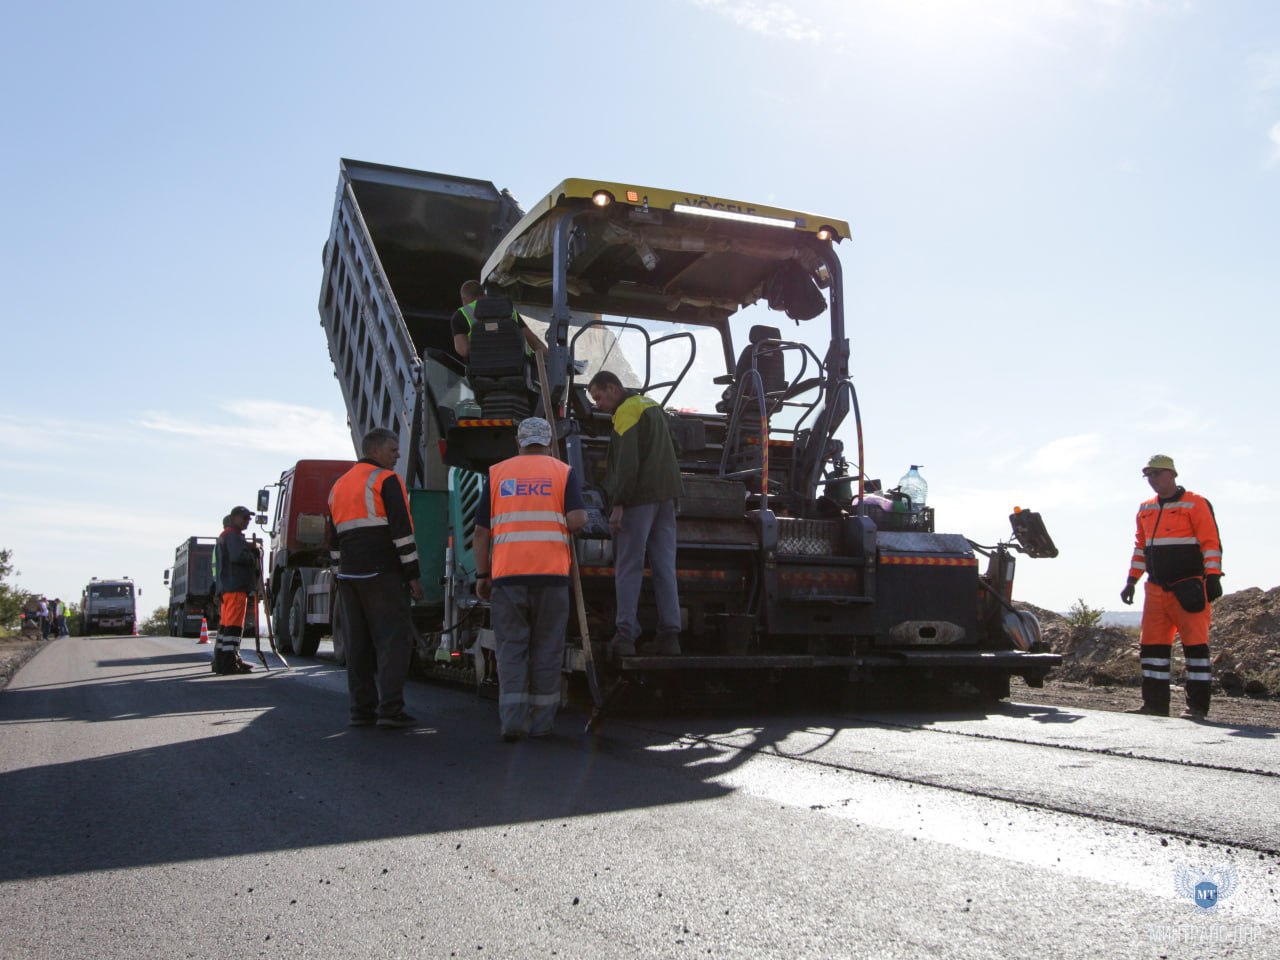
{"points": [[204, 631]]}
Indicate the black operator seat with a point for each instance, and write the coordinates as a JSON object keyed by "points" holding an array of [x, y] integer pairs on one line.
{"points": [[499, 355], [769, 364]]}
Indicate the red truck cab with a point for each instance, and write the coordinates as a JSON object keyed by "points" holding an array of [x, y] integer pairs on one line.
{"points": [[300, 585]]}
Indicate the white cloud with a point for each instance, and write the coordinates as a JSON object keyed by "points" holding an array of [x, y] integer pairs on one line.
{"points": [[769, 19], [43, 439], [1064, 454], [263, 425], [1274, 136]]}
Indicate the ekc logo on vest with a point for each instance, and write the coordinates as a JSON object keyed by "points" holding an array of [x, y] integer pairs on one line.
{"points": [[531, 487]]}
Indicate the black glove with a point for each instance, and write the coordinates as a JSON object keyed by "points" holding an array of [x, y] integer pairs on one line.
{"points": [[1127, 593], [1213, 586]]}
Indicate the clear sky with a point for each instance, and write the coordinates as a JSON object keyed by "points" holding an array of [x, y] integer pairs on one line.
{"points": [[1065, 252]]}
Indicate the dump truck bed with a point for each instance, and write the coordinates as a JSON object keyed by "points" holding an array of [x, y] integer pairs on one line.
{"points": [[401, 244]]}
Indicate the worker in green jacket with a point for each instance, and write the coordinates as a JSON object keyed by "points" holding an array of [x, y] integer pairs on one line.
{"points": [[642, 483]]}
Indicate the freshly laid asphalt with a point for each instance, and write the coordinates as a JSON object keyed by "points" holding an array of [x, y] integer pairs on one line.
{"points": [[151, 809]]}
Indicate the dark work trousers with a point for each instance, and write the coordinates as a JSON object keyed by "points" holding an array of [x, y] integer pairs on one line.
{"points": [[379, 636], [649, 528], [529, 624]]}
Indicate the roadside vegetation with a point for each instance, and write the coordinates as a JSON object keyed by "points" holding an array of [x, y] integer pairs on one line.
{"points": [[156, 625], [1083, 615], [11, 598]]}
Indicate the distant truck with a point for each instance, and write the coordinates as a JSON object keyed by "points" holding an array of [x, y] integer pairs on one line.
{"points": [[192, 594], [109, 606], [299, 585]]}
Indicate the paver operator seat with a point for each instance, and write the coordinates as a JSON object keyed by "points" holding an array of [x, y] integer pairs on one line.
{"points": [[498, 366]]}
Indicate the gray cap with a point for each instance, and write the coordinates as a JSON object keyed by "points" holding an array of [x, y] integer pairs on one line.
{"points": [[240, 510], [534, 431]]}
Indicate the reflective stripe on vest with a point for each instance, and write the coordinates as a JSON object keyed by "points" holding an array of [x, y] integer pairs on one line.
{"points": [[1176, 539], [526, 517], [356, 499]]}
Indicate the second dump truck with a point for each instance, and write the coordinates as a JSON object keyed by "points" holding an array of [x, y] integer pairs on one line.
{"points": [[192, 592]]}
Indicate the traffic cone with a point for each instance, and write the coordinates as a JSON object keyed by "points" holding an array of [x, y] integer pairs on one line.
{"points": [[204, 631]]}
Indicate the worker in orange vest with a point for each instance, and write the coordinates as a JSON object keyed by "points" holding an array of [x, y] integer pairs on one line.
{"points": [[1178, 548], [236, 564], [530, 506], [377, 560]]}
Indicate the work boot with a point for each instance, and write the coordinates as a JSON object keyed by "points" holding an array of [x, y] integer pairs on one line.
{"points": [[666, 643], [620, 647], [242, 667], [1149, 711], [400, 721], [1192, 713]]}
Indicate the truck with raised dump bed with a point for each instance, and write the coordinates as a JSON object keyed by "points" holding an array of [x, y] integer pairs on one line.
{"points": [[192, 590], [787, 564], [401, 245]]}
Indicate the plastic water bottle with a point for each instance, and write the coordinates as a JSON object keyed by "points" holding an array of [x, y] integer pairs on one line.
{"points": [[915, 487]]}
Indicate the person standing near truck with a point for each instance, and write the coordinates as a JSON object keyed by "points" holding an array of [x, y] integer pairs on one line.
{"points": [[642, 482], [236, 562], [1177, 546], [465, 317], [59, 614], [372, 531], [530, 505]]}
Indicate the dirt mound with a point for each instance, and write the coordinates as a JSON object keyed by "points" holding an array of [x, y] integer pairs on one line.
{"points": [[15, 651], [1244, 642]]}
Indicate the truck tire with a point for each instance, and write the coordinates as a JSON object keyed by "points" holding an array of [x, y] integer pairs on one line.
{"points": [[280, 622], [305, 641], [315, 633]]}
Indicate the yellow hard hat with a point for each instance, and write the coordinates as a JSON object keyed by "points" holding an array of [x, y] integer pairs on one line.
{"points": [[1159, 462]]}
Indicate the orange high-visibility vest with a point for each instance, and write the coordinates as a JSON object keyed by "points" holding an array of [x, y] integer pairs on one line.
{"points": [[1176, 539], [355, 501], [526, 517]]}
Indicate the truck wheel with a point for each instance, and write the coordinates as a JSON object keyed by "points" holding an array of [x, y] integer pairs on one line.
{"points": [[315, 633], [280, 621], [305, 642]]}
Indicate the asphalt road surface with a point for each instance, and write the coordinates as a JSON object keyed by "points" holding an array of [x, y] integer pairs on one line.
{"points": [[151, 809]]}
